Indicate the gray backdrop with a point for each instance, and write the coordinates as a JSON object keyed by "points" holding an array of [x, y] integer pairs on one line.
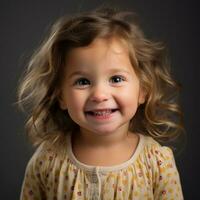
{"points": [[24, 24]]}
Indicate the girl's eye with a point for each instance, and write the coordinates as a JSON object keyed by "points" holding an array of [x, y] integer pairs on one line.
{"points": [[117, 79], [81, 82]]}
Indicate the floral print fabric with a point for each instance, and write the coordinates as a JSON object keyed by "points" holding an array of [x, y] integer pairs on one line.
{"points": [[150, 174]]}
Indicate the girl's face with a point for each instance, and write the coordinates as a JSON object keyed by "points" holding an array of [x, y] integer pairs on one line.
{"points": [[100, 89]]}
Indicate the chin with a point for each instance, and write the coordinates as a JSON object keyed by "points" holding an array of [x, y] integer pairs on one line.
{"points": [[103, 131]]}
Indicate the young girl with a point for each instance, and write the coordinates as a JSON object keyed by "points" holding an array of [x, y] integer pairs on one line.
{"points": [[101, 99]]}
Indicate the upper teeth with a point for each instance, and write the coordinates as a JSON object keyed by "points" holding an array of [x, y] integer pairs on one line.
{"points": [[102, 112]]}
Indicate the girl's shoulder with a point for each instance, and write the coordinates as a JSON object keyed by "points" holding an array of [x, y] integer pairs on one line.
{"points": [[42, 157], [47, 156], [154, 152], [42, 166], [152, 145], [159, 163]]}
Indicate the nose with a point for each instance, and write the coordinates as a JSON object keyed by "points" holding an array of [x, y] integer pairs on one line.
{"points": [[99, 93]]}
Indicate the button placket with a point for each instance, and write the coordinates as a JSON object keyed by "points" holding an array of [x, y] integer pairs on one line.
{"points": [[95, 184], [94, 178]]}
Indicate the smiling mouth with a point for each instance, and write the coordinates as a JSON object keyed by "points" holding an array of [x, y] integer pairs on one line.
{"points": [[101, 112]]}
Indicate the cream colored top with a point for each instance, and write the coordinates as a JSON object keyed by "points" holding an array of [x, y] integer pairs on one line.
{"points": [[150, 173]]}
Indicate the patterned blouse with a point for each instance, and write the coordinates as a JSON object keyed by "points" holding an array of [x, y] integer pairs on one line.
{"points": [[149, 174]]}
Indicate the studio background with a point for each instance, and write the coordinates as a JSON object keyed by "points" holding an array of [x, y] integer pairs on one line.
{"points": [[25, 23]]}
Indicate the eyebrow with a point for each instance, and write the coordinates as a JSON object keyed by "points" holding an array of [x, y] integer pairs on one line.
{"points": [[79, 72]]}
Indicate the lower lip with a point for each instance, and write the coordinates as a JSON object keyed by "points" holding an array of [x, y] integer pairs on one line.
{"points": [[102, 117]]}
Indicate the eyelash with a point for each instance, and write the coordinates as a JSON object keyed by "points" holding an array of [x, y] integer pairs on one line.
{"points": [[83, 79]]}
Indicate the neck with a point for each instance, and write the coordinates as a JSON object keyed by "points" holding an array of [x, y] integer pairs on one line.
{"points": [[107, 140]]}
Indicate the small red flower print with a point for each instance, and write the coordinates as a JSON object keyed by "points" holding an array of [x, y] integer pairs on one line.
{"points": [[156, 151], [159, 162], [163, 192], [119, 188], [50, 158], [132, 187], [30, 192], [79, 193]]}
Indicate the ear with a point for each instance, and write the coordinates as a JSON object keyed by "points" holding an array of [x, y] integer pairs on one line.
{"points": [[142, 96], [62, 103]]}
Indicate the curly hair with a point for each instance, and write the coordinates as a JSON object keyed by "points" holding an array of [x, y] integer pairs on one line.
{"points": [[160, 116]]}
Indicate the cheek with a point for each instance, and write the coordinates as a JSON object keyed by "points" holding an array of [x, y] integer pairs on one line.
{"points": [[76, 101], [128, 99], [74, 105]]}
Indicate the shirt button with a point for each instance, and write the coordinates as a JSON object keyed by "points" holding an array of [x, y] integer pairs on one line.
{"points": [[94, 179]]}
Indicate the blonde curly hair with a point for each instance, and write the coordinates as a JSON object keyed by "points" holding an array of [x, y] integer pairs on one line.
{"points": [[160, 116]]}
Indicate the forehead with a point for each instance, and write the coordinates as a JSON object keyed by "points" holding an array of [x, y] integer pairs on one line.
{"points": [[102, 51]]}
